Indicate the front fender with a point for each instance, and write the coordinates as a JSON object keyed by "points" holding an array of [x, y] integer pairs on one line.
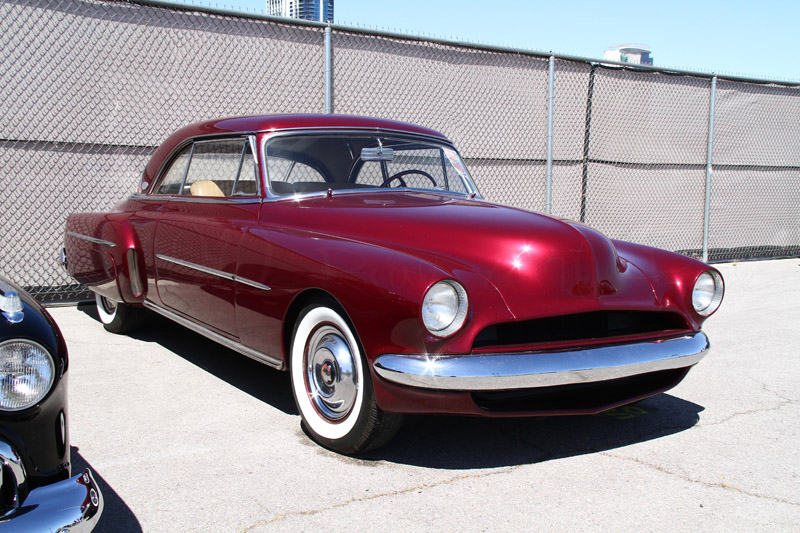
{"points": [[380, 289], [671, 275]]}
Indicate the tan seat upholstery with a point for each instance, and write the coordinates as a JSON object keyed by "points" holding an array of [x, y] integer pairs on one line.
{"points": [[205, 188]]}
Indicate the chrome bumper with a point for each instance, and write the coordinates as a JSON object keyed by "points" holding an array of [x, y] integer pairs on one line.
{"points": [[508, 371], [73, 505]]}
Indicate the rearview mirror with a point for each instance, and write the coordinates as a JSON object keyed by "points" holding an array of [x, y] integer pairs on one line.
{"points": [[377, 154]]}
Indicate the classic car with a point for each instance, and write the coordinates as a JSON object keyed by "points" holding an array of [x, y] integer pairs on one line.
{"points": [[357, 254], [37, 489]]}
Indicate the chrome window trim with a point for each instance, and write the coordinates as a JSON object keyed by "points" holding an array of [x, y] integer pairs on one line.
{"points": [[196, 199], [186, 172], [529, 370], [319, 194], [91, 239], [472, 190], [214, 272], [356, 129], [216, 337], [246, 137]]}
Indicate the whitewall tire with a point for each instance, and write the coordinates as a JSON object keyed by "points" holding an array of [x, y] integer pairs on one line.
{"points": [[332, 386], [118, 317]]}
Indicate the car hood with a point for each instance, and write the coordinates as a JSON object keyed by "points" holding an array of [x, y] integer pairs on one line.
{"points": [[541, 265]]}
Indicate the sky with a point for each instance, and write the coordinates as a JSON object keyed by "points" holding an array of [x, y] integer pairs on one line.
{"points": [[755, 39]]}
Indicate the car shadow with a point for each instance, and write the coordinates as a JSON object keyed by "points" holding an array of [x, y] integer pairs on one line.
{"points": [[117, 516], [461, 443], [449, 442], [256, 379]]}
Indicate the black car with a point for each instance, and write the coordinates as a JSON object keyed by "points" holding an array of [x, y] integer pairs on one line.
{"points": [[37, 489]]}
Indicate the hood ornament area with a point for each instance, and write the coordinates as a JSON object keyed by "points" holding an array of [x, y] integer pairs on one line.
{"points": [[10, 304]]}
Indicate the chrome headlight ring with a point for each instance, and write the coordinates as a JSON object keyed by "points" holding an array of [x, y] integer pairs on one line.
{"points": [[444, 308], [707, 292], [27, 373]]}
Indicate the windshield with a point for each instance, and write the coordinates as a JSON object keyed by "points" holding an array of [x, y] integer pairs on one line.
{"points": [[307, 163]]}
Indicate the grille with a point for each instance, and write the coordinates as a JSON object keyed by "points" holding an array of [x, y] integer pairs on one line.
{"points": [[580, 328]]}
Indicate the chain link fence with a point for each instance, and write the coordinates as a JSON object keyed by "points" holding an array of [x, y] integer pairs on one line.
{"points": [[91, 87]]}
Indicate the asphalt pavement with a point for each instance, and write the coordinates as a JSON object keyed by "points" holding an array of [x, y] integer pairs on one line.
{"points": [[185, 435]]}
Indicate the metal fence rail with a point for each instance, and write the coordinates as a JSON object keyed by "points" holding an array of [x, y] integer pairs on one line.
{"points": [[706, 166]]}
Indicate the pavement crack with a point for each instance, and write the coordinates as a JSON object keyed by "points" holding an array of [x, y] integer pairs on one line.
{"points": [[711, 485], [784, 401], [373, 497]]}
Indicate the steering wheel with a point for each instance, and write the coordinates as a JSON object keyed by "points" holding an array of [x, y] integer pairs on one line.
{"points": [[399, 176]]}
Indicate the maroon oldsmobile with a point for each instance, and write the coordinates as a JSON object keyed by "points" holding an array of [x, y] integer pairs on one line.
{"points": [[357, 254]]}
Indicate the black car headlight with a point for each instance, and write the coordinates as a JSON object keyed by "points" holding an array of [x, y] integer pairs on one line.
{"points": [[27, 372]]}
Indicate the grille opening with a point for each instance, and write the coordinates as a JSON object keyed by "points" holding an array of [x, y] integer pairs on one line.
{"points": [[583, 326], [580, 398]]}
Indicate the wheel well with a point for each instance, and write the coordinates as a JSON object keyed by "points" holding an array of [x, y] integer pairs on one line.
{"points": [[300, 302]]}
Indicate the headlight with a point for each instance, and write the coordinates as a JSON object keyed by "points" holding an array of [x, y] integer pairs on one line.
{"points": [[444, 308], [707, 293], [26, 374]]}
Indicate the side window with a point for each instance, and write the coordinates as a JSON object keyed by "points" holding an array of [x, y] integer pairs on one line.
{"points": [[214, 168], [173, 177], [247, 184]]}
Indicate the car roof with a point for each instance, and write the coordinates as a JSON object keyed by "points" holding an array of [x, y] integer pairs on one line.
{"points": [[269, 123]]}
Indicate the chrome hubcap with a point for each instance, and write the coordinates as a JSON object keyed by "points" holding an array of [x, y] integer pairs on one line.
{"points": [[331, 376]]}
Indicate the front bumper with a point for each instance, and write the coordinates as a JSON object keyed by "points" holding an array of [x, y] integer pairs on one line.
{"points": [[511, 371], [73, 505]]}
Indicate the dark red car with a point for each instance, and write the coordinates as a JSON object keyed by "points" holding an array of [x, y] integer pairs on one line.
{"points": [[357, 254]]}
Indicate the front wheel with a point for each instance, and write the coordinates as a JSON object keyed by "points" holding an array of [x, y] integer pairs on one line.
{"points": [[332, 385], [118, 317]]}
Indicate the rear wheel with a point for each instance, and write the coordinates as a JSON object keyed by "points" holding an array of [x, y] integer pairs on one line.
{"points": [[118, 317], [332, 386]]}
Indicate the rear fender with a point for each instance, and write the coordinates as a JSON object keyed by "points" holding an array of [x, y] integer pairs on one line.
{"points": [[103, 253]]}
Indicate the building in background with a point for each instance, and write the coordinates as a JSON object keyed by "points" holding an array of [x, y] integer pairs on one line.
{"points": [[316, 10], [638, 54]]}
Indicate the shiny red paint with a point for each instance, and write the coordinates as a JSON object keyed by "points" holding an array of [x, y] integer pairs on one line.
{"points": [[375, 252]]}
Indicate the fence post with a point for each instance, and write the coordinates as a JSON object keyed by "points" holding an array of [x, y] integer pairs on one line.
{"points": [[548, 204], [586, 134], [709, 166], [328, 71]]}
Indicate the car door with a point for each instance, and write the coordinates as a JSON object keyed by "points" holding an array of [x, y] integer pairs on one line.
{"points": [[197, 239]]}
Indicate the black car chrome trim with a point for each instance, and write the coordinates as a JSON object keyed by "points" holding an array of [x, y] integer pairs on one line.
{"points": [[504, 371], [216, 337], [74, 504], [214, 272], [11, 304], [11, 460], [91, 239]]}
